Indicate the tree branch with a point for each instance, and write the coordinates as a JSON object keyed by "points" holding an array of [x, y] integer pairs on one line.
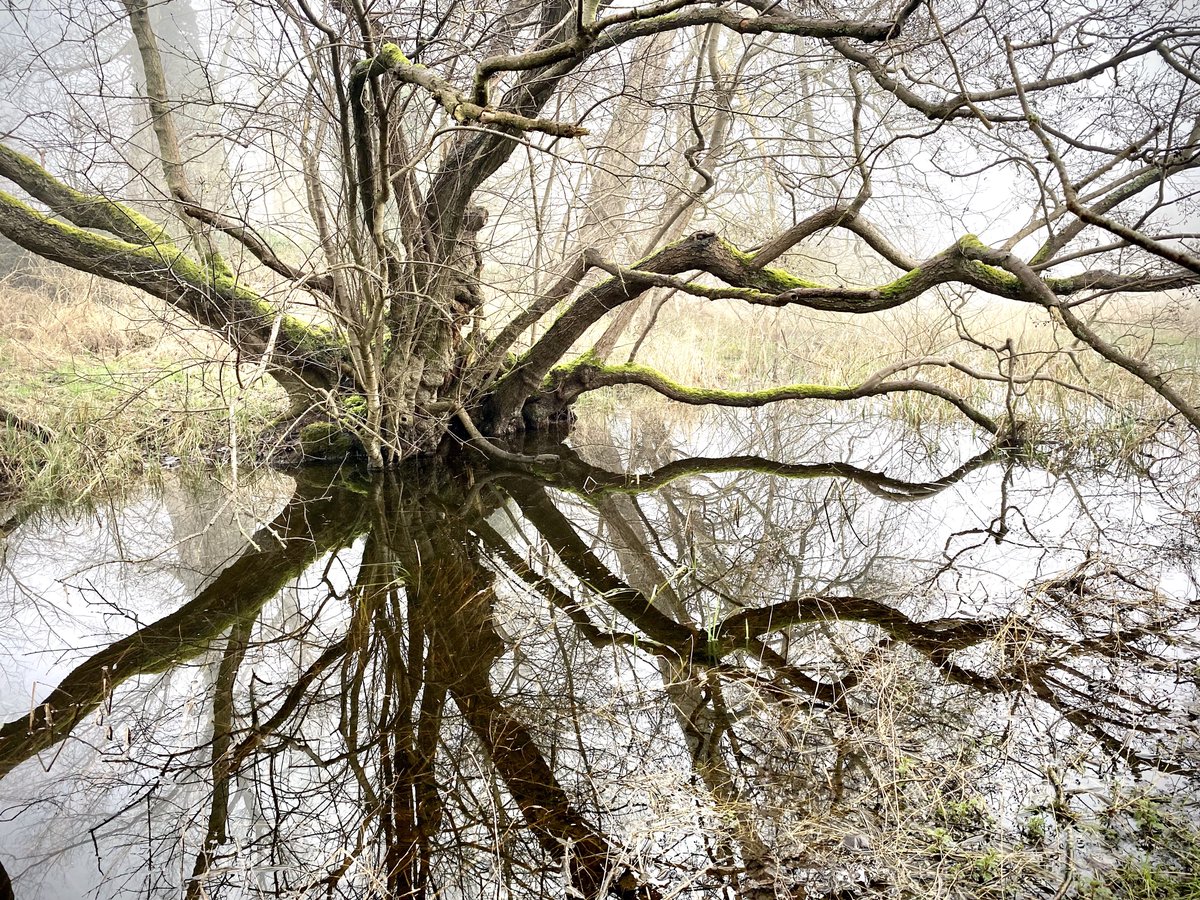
{"points": [[1037, 291], [1094, 216], [568, 382], [963, 105], [304, 355], [391, 61], [706, 252], [85, 210]]}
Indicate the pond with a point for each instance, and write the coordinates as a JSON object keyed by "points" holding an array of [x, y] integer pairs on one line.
{"points": [[726, 656]]}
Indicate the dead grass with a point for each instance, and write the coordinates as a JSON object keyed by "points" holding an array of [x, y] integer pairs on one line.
{"points": [[123, 383], [732, 346]]}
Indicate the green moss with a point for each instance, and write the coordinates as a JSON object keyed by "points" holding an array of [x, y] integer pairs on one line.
{"points": [[563, 369], [767, 279], [308, 339], [356, 405], [740, 255], [777, 281], [92, 244], [588, 369], [218, 268], [902, 286], [391, 56], [94, 210], [716, 395], [995, 278], [972, 242], [140, 225], [352, 412], [325, 440]]}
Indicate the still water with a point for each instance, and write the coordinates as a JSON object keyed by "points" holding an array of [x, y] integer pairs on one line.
{"points": [[732, 656]]}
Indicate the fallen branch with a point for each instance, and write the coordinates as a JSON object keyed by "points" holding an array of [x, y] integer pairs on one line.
{"points": [[43, 434]]}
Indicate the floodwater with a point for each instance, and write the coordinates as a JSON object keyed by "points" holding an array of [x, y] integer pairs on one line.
{"points": [[731, 656]]}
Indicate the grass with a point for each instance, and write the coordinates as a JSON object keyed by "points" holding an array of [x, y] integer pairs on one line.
{"points": [[118, 381], [732, 346], [1158, 852]]}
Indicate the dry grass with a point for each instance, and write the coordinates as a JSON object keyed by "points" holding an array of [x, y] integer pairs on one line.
{"points": [[732, 346], [118, 379]]}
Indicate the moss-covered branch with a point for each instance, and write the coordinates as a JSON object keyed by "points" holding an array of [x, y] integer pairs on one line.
{"points": [[569, 381], [84, 210], [100, 213], [301, 353], [747, 280], [390, 60]]}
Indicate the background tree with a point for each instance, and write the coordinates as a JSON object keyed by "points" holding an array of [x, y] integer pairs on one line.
{"points": [[382, 202]]}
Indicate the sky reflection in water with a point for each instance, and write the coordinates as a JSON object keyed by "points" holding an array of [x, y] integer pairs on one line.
{"points": [[740, 656]]}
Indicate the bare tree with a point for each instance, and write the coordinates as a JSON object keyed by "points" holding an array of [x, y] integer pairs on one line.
{"points": [[391, 167], [417, 728]]}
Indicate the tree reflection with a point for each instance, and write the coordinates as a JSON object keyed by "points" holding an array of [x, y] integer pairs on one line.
{"points": [[717, 678]]}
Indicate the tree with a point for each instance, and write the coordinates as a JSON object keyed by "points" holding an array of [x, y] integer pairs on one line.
{"points": [[390, 167], [659, 707]]}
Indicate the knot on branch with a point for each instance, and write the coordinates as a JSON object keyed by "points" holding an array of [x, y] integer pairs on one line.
{"points": [[573, 378]]}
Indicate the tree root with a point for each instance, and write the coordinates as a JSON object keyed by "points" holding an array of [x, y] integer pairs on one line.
{"points": [[485, 446]]}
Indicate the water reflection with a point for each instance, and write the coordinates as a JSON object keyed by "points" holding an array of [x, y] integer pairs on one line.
{"points": [[721, 676]]}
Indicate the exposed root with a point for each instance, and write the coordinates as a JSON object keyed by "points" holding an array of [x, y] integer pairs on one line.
{"points": [[485, 446]]}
